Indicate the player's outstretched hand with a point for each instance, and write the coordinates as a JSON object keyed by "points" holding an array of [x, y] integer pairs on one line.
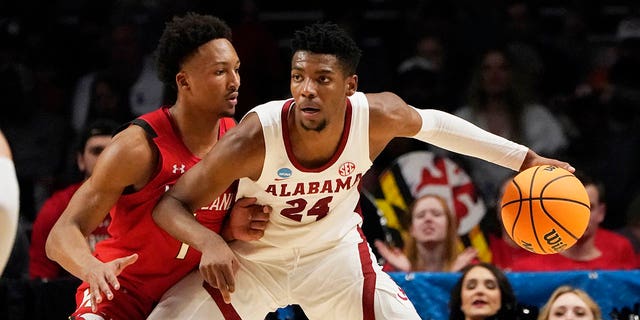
{"points": [[218, 266], [532, 159], [247, 220], [104, 276]]}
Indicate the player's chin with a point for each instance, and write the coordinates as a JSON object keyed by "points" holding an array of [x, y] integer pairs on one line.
{"points": [[229, 111]]}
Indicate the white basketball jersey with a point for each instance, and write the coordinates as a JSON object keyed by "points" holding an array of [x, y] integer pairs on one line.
{"points": [[311, 207]]}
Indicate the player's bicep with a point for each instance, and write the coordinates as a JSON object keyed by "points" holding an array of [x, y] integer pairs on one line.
{"points": [[120, 165], [239, 153]]}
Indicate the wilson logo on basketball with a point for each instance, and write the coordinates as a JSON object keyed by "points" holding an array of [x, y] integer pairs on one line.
{"points": [[346, 169]]}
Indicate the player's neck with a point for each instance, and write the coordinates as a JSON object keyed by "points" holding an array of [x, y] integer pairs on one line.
{"points": [[196, 130], [313, 148]]}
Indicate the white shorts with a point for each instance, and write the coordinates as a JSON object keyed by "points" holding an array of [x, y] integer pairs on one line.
{"points": [[338, 282]]}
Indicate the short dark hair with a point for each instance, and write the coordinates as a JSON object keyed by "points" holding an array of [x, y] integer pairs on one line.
{"points": [[99, 127], [328, 38], [508, 298], [181, 37], [588, 179]]}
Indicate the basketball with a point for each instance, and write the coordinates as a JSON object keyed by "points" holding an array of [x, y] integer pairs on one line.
{"points": [[545, 209]]}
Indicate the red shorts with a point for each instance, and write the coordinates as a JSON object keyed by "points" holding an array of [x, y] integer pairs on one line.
{"points": [[125, 305]]}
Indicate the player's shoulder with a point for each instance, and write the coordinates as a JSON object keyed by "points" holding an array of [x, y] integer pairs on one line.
{"points": [[387, 108], [132, 144], [273, 106], [383, 99]]}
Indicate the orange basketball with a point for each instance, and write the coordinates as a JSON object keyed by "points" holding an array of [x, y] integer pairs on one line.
{"points": [[545, 209]]}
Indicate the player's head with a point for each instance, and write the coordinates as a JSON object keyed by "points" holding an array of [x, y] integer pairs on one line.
{"points": [[487, 283], [328, 38], [181, 40], [323, 69], [93, 140], [565, 301]]}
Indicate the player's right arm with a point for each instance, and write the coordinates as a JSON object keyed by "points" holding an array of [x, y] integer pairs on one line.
{"points": [[239, 153], [129, 160]]}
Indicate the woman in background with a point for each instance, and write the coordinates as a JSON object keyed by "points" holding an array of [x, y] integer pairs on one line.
{"points": [[482, 293], [570, 303], [433, 242]]}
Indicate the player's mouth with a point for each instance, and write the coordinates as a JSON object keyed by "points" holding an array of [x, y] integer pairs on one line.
{"points": [[233, 98], [309, 109]]}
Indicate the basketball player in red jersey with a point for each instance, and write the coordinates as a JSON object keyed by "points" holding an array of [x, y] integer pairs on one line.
{"points": [[129, 272], [305, 157]]}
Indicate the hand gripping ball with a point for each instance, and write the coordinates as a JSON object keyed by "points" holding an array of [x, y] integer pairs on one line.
{"points": [[545, 209]]}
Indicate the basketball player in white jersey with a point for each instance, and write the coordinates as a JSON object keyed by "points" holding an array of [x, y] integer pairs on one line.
{"points": [[305, 157], [9, 202]]}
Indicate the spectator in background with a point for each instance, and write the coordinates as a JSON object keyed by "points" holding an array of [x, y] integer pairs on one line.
{"points": [[433, 244], [94, 139], [503, 249], [631, 230], [25, 120], [482, 292], [500, 104], [424, 78], [570, 303], [130, 68], [597, 249], [258, 51], [9, 202], [605, 114]]}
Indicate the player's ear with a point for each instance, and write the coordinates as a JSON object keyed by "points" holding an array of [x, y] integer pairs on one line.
{"points": [[352, 84], [181, 80]]}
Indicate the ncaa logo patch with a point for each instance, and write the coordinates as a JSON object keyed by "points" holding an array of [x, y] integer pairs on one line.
{"points": [[346, 169], [283, 173]]}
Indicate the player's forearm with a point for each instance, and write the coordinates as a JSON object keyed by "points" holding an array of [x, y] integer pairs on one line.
{"points": [[458, 135], [174, 217], [68, 247]]}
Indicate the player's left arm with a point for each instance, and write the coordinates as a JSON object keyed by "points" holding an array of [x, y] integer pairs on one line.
{"points": [[391, 117]]}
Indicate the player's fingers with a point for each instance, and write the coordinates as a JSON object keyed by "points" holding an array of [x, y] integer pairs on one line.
{"points": [[254, 234], [113, 281], [209, 276], [225, 289], [568, 167], [95, 298], [258, 225], [246, 202], [226, 294], [104, 287], [259, 215], [126, 261]]}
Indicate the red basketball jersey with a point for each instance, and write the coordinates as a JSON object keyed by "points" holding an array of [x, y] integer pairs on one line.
{"points": [[162, 260]]}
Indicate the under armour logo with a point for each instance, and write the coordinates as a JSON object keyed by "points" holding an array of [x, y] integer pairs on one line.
{"points": [[180, 168]]}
